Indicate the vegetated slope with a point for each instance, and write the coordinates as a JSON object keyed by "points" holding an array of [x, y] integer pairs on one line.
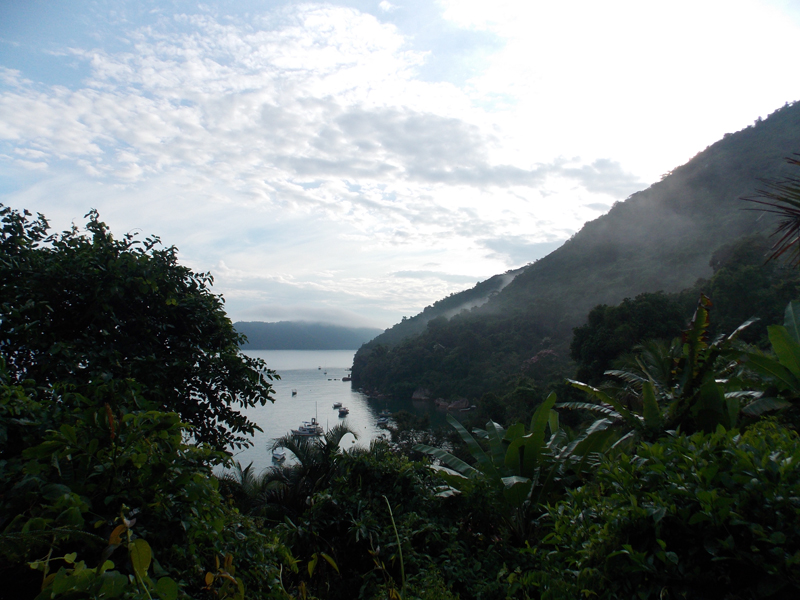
{"points": [[661, 238], [292, 335]]}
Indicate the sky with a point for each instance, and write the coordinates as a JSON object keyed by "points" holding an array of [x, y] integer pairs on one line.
{"points": [[352, 162]]}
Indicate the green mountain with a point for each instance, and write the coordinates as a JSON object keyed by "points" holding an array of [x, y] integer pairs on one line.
{"points": [[299, 335], [662, 238]]}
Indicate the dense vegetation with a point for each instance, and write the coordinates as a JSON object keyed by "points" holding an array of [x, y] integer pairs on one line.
{"points": [[664, 238], [298, 335], [673, 474]]}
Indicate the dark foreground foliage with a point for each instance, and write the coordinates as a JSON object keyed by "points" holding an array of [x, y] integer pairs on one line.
{"points": [[110, 485]]}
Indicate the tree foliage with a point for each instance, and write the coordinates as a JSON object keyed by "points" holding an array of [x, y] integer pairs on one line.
{"points": [[84, 309]]}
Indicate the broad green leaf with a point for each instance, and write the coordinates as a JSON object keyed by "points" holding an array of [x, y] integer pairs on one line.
{"points": [[523, 453], [630, 418], [114, 584], [312, 564], [785, 347], [541, 417], [496, 447], [330, 561], [763, 365], [553, 422], [791, 320], [485, 464], [741, 328], [593, 446], [167, 589], [141, 555], [517, 489], [68, 431], [447, 459], [515, 431], [762, 405], [598, 426], [650, 409], [710, 409], [598, 408]]}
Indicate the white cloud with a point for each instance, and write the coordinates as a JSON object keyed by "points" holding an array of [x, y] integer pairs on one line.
{"points": [[298, 154]]}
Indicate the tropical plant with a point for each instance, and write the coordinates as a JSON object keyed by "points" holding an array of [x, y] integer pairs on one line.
{"points": [[782, 198], [286, 490], [525, 469], [711, 515], [691, 384], [780, 373]]}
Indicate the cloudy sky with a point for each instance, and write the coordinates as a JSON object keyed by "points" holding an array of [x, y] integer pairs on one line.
{"points": [[355, 161]]}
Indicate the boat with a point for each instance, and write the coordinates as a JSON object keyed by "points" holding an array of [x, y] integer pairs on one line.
{"points": [[279, 454], [294, 392], [337, 405], [385, 414], [346, 378], [344, 411], [383, 422], [308, 429]]}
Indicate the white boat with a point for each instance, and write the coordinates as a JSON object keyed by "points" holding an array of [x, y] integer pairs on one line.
{"points": [[279, 454], [344, 411], [337, 405], [308, 429], [383, 422]]}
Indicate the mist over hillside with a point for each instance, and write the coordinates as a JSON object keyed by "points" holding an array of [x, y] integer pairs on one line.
{"points": [[661, 238], [298, 335]]}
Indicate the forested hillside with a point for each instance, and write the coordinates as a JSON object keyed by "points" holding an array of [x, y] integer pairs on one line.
{"points": [[289, 335], [662, 238]]}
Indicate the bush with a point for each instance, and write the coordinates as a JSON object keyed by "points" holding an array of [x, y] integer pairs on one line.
{"points": [[707, 516]]}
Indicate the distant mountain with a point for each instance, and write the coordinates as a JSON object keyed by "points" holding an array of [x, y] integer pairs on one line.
{"points": [[661, 238], [299, 335]]}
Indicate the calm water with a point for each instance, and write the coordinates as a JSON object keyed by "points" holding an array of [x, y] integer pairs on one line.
{"points": [[317, 377]]}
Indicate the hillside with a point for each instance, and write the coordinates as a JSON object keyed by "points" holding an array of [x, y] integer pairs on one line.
{"points": [[661, 238], [291, 335]]}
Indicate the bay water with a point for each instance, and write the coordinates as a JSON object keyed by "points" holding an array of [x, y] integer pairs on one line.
{"points": [[316, 377]]}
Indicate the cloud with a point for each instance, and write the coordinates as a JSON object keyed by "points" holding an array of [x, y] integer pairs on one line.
{"points": [[310, 313], [308, 92], [436, 275], [517, 251]]}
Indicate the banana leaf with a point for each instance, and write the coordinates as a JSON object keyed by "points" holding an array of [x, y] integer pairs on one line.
{"points": [[650, 408], [791, 320], [517, 489], [766, 366], [763, 405], [484, 463], [496, 446], [632, 419], [598, 408], [447, 459], [522, 455], [787, 350]]}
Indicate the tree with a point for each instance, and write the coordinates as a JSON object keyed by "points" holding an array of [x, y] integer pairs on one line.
{"points": [[614, 330], [86, 311]]}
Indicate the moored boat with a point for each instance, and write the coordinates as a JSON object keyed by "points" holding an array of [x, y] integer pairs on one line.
{"points": [[337, 405], [279, 454], [344, 411], [308, 429]]}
